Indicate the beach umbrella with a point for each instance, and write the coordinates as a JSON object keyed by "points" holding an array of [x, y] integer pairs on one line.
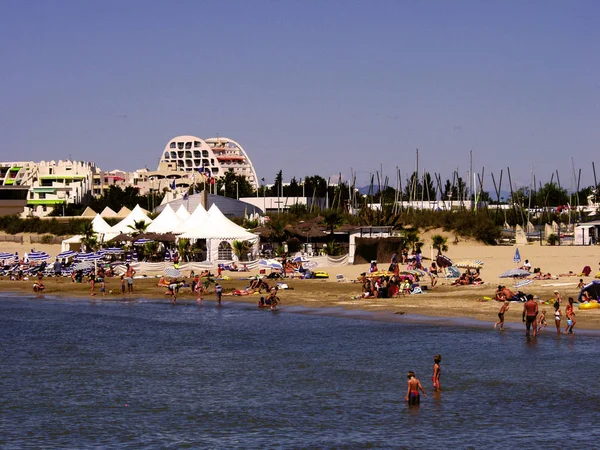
{"points": [[7, 255], [172, 272], [142, 241], [520, 284], [515, 273], [443, 261], [270, 264], [113, 251], [517, 257], [39, 256], [592, 288], [469, 264], [91, 256], [418, 272], [67, 254], [82, 265], [299, 258]]}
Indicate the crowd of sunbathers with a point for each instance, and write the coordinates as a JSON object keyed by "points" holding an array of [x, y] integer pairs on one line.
{"points": [[471, 276], [388, 286]]}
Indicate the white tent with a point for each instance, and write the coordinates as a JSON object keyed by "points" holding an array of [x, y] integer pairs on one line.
{"points": [[107, 212], [182, 213], [166, 221], [99, 225], [193, 222], [219, 233], [73, 243], [88, 212], [136, 215]]}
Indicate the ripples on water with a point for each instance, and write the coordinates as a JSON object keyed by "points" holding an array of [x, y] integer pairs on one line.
{"points": [[77, 374]]}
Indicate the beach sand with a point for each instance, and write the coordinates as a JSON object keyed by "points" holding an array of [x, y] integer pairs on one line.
{"points": [[442, 301]]}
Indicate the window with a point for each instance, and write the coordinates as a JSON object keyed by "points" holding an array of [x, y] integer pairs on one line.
{"points": [[166, 155], [188, 145], [173, 145], [42, 196], [225, 251], [215, 170], [197, 154], [44, 208], [196, 144], [31, 195], [188, 155], [180, 154], [212, 162], [205, 153], [173, 155], [180, 145]]}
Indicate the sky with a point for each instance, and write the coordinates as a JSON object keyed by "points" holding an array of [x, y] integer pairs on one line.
{"points": [[308, 87]]}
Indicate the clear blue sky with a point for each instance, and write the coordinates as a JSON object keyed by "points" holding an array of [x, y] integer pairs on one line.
{"points": [[310, 87]]}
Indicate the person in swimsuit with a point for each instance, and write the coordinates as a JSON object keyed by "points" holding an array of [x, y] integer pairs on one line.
{"points": [[557, 316], [542, 320], [503, 309], [412, 391], [92, 283], [530, 312], [129, 273], [437, 371], [570, 317]]}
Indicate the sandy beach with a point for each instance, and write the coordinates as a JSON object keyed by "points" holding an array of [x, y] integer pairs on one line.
{"points": [[442, 301]]}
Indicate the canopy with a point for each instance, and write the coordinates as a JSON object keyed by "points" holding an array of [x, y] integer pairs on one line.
{"points": [[107, 212], [217, 226], [136, 215], [193, 222], [99, 225], [592, 288], [166, 221], [182, 213], [38, 256]]}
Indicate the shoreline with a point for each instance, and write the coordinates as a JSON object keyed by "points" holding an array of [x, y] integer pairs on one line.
{"points": [[452, 305]]}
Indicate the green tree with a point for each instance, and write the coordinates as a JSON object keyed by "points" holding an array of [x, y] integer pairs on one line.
{"points": [[89, 238], [439, 242], [333, 219], [241, 249], [551, 195], [138, 227]]}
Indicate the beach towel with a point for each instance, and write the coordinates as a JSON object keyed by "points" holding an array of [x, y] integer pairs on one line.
{"points": [[586, 271]]}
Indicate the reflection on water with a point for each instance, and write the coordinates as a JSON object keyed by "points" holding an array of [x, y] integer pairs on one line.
{"points": [[145, 373]]}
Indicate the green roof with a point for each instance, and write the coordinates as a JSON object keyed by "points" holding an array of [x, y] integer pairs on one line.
{"points": [[46, 202]]}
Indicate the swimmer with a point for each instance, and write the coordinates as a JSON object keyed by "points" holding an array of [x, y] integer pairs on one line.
{"points": [[412, 391], [503, 309], [435, 378]]}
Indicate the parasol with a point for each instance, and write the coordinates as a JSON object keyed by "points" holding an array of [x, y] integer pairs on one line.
{"points": [[172, 272], [39, 256], [517, 257], [469, 264], [515, 273], [443, 261], [270, 264]]}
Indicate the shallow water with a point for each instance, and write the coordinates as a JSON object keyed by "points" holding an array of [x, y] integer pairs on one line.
{"points": [[80, 374]]}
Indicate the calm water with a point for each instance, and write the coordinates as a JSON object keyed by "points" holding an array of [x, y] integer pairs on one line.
{"points": [[77, 374]]}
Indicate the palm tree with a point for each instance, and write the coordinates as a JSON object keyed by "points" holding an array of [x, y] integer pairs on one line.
{"points": [[439, 242], [412, 239], [333, 220], [278, 228], [138, 227], [241, 249], [88, 236], [183, 247]]}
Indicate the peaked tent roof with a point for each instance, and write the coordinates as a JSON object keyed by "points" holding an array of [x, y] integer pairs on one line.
{"points": [[193, 222], [166, 221], [134, 216], [217, 226], [88, 212], [107, 212], [124, 211], [182, 212], [99, 225]]}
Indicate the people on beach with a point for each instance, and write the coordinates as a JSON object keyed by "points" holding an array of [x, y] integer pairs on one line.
{"points": [[530, 312], [123, 284], [557, 316], [412, 391], [433, 274], [581, 284], [503, 309], [557, 296], [542, 320], [100, 276], [199, 290], [129, 273], [92, 279], [173, 290], [272, 299], [570, 314], [437, 371]]}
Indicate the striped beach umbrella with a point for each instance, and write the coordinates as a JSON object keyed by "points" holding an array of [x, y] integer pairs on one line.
{"points": [[39, 256], [113, 251], [67, 254], [517, 257]]}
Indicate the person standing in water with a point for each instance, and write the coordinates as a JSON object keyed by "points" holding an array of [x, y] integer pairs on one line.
{"points": [[412, 392], [437, 371], [503, 310], [219, 293], [570, 317], [530, 312], [557, 316]]}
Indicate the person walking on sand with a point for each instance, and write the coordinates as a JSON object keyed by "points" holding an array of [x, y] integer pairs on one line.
{"points": [[530, 312], [570, 317], [503, 310], [129, 273], [412, 391], [437, 371], [557, 316]]}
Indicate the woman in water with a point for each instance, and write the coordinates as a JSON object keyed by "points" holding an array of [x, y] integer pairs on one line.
{"points": [[437, 371], [412, 391], [570, 317], [557, 316]]}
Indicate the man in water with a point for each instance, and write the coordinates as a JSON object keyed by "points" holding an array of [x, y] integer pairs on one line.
{"points": [[412, 392], [129, 278], [530, 311], [219, 293]]}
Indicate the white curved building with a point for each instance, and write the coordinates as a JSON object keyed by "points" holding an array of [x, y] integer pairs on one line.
{"points": [[215, 156]]}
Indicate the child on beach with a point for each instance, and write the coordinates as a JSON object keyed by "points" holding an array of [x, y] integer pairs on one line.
{"points": [[123, 284], [580, 285], [557, 316], [570, 317], [435, 378], [542, 320], [412, 391], [503, 309]]}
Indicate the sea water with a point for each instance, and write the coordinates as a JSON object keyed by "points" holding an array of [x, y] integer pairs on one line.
{"points": [[99, 374]]}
